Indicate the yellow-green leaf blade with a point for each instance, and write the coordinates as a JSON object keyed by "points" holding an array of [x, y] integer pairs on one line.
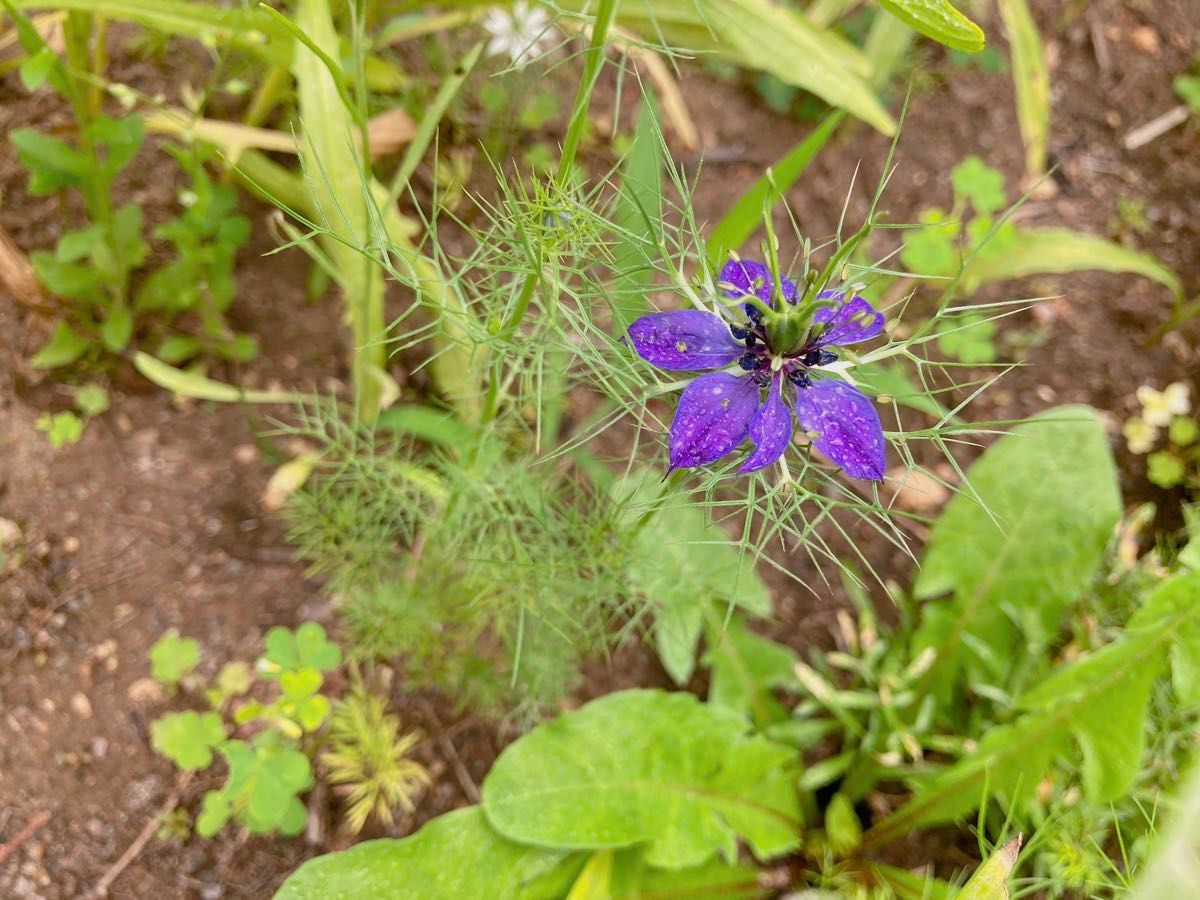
{"points": [[1037, 251], [939, 20], [1031, 79]]}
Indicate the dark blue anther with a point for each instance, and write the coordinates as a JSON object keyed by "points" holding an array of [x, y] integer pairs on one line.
{"points": [[739, 333], [751, 340], [799, 378], [819, 357], [754, 313], [748, 361]]}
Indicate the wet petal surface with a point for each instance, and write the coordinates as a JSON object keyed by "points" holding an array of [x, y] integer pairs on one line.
{"points": [[770, 429], [846, 425], [713, 417], [688, 339], [852, 321], [745, 276]]}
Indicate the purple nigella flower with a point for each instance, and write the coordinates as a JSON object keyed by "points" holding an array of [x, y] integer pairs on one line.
{"points": [[717, 411]]}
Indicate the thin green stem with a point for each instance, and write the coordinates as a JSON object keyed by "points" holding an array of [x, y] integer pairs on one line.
{"points": [[587, 84], [583, 99]]}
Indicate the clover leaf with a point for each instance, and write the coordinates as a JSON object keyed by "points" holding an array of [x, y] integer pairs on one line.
{"points": [[188, 738], [307, 647], [172, 658], [971, 341], [264, 781], [932, 250], [980, 184]]}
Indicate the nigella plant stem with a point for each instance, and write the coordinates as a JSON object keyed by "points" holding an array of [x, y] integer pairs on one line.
{"points": [[587, 84], [583, 98]]}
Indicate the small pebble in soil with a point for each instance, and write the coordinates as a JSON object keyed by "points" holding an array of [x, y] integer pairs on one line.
{"points": [[245, 454], [81, 705]]}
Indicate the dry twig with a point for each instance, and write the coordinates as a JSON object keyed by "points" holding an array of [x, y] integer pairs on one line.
{"points": [[14, 843], [143, 838]]}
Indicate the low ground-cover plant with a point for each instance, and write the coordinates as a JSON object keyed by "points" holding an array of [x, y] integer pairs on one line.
{"points": [[1013, 695], [106, 299], [270, 764]]}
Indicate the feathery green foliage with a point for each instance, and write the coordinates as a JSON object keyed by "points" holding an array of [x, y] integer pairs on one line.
{"points": [[368, 758]]}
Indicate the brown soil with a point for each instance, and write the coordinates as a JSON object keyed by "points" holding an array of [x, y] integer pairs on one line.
{"points": [[153, 520]]}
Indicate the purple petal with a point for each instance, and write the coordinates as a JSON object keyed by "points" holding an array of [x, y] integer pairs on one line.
{"points": [[713, 416], [745, 276], [847, 323], [770, 429], [690, 339], [847, 427]]}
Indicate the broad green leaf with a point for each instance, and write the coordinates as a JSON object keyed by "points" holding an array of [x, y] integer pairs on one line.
{"points": [[647, 768], [454, 856], [1035, 251], [246, 27], [745, 216], [681, 563], [117, 329], [52, 164], [198, 387], [990, 881], [638, 216], [1097, 703], [70, 280], [172, 658], [1031, 79], [188, 738], [63, 348], [745, 667], [938, 19], [1023, 537]]}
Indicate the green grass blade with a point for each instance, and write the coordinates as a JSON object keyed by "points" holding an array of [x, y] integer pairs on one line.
{"points": [[429, 123], [745, 215], [638, 215], [1035, 251], [1031, 80]]}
